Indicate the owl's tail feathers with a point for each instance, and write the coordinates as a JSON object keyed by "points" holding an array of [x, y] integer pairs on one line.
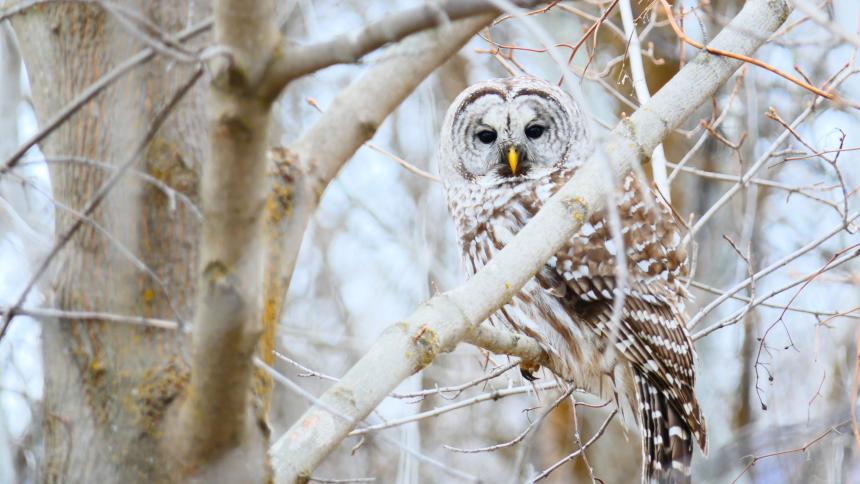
{"points": [[667, 442]]}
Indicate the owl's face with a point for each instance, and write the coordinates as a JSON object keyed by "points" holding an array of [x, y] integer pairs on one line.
{"points": [[505, 131]]}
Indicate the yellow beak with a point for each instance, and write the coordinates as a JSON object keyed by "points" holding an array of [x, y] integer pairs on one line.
{"points": [[513, 159]]}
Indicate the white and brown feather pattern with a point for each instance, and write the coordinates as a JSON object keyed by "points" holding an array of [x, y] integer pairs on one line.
{"points": [[568, 305]]}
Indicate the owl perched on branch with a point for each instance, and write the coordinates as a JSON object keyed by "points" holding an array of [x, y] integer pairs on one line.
{"points": [[507, 145]]}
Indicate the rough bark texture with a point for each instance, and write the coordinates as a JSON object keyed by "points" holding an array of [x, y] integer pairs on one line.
{"points": [[107, 385]]}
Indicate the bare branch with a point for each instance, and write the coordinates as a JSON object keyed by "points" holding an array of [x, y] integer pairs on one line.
{"points": [[580, 450], [456, 390], [93, 315], [762, 160], [817, 16], [767, 270], [519, 438], [735, 317], [802, 448], [506, 343], [291, 63], [484, 397], [640, 85], [353, 479], [734, 55]]}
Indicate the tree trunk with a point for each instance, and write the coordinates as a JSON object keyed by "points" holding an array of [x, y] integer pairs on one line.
{"points": [[107, 385]]}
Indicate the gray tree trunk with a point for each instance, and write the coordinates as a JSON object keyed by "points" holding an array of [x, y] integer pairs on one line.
{"points": [[108, 385]]}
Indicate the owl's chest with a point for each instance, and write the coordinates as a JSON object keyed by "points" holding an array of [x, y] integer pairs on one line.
{"points": [[539, 313]]}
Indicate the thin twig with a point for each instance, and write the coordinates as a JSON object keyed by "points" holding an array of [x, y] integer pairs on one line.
{"points": [[802, 448], [93, 315], [544, 474], [489, 396], [680, 33], [534, 424]]}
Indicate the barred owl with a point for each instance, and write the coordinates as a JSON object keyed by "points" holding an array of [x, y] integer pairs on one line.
{"points": [[507, 145]]}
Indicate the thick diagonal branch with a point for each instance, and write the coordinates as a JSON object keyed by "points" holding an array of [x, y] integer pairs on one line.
{"points": [[442, 322]]}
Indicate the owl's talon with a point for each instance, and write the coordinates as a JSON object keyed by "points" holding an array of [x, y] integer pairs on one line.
{"points": [[528, 370]]}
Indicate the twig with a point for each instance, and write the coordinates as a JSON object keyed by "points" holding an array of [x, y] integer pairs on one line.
{"points": [[767, 270], [93, 315], [736, 316], [171, 193], [834, 261], [680, 33], [800, 190], [818, 154], [544, 474], [591, 31], [855, 389], [484, 397], [818, 17], [802, 448], [405, 164], [828, 314], [307, 371], [536, 423], [640, 85], [352, 479], [750, 172], [458, 389], [701, 141]]}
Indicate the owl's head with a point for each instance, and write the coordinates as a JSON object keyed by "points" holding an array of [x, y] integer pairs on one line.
{"points": [[505, 131]]}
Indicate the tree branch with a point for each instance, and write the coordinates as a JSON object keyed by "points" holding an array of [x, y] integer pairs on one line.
{"points": [[504, 342], [294, 62], [817, 15], [439, 324], [215, 417], [643, 94]]}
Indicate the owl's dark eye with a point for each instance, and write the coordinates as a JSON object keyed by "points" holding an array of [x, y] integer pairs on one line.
{"points": [[486, 136], [535, 131]]}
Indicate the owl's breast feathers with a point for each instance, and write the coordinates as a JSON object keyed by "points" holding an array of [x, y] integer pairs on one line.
{"points": [[569, 304]]}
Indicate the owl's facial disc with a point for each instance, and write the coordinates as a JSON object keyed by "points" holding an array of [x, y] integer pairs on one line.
{"points": [[511, 134]]}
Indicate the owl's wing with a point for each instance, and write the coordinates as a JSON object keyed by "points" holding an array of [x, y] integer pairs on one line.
{"points": [[650, 331]]}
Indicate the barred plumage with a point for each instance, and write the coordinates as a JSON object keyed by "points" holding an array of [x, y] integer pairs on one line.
{"points": [[495, 183]]}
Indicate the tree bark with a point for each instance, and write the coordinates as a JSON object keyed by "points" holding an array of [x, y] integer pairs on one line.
{"points": [[219, 436], [108, 385]]}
